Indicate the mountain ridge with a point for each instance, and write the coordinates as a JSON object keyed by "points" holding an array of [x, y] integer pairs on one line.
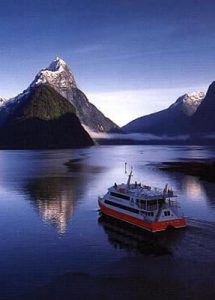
{"points": [[44, 119], [59, 76], [203, 120], [174, 120]]}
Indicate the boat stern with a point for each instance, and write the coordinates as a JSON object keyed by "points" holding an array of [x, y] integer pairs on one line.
{"points": [[163, 225]]}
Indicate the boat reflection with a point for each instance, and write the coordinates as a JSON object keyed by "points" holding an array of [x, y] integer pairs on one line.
{"points": [[54, 198], [125, 236]]}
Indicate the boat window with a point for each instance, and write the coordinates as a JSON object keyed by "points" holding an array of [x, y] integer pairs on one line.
{"points": [[167, 213], [136, 211], [141, 203], [150, 214], [120, 196], [152, 202], [161, 201], [152, 205]]}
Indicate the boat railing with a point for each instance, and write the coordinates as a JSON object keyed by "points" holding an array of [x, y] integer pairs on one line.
{"points": [[171, 203], [168, 193], [152, 208], [156, 206]]}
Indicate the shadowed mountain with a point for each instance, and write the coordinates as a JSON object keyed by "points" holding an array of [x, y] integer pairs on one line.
{"points": [[203, 121], [59, 76], [43, 119], [175, 120]]}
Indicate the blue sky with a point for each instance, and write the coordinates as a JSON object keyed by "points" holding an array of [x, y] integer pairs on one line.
{"points": [[132, 56]]}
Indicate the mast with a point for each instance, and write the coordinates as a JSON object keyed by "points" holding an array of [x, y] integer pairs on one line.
{"points": [[165, 190], [125, 167], [129, 177]]}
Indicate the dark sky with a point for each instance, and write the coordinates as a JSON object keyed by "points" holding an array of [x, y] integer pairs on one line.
{"points": [[111, 46]]}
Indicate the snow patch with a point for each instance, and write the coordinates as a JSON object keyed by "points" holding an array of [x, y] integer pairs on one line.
{"points": [[57, 74], [189, 102]]}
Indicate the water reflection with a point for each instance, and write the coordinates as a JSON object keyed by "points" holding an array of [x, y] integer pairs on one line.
{"points": [[80, 167], [125, 236], [193, 188], [57, 192], [209, 188], [55, 199]]}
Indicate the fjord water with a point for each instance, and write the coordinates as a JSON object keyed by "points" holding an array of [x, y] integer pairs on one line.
{"points": [[49, 219]]}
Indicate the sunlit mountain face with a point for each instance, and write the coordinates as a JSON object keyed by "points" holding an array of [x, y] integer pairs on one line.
{"points": [[41, 119], [59, 77]]}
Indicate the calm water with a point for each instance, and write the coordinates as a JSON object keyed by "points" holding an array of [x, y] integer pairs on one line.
{"points": [[49, 220]]}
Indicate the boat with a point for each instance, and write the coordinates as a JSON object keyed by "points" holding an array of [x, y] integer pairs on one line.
{"points": [[144, 206]]}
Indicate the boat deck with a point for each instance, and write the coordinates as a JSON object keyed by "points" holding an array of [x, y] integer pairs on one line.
{"points": [[142, 191]]}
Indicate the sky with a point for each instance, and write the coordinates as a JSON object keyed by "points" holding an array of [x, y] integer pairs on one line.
{"points": [[130, 57]]}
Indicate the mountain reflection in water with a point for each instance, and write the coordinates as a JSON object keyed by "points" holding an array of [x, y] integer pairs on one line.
{"points": [[55, 199], [49, 218], [193, 188]]}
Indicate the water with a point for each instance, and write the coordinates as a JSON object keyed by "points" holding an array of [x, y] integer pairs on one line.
{"points": [[49, 220]]}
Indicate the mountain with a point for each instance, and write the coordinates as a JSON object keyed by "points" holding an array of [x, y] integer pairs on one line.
{"points": [[204, 121], [42, 118], [2, 102], [59, 76], [175, 120]]}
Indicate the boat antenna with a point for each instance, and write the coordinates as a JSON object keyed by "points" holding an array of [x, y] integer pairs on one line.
{"points": [[165, 190], [125, 167], [129, 177]]}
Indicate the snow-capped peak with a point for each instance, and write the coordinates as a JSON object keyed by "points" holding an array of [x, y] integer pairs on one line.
{"points": [[189, 102], [57, 65], [2, 101], [195, 96], [57, 75]]}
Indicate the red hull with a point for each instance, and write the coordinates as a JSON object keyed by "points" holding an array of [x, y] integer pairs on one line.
{"points": [[150, 226]]}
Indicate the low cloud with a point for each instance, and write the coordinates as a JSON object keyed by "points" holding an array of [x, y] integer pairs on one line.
{"points": [[123, 106], [210, 136], [136, 137]]}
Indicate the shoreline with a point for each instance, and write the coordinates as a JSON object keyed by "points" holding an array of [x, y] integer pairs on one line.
{"points": [[203, 169]]}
